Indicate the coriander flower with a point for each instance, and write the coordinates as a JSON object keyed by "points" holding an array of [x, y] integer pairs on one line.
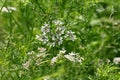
{"points": [[57, 41], [60, 40], [42, 55], [8, 9], [70, 57], [41, 49], [73, 57], [26, 65], [60, 30], [45, 28], [43, 39], [58, 22], [70, 35], [54, 37], [81, 17], [54, 60], [116, 60], [62, 51], [20, 73], [30, 53]]}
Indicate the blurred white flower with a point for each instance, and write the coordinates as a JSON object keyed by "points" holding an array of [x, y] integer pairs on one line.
{"points": [[43, 39], [70, 34], [62, 51], [60, 40], [53, 44], [107, 60], [100, 9], [26, 65], [38, 37], [57, 40], [30, 53], [73, 57], [81, 17], [45, 29], [70, 57], [41, 49], [57, 22], [20, 73], [54, 60], [39, 58], [8, 9], [46, 78], [40, 55], [72, 53], [60, 30], [55, 37], [116, 60], [38, 62]]}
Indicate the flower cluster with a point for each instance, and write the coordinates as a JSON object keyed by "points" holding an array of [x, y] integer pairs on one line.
{"points": [[55, 36], [37, 58], [73, 57]]}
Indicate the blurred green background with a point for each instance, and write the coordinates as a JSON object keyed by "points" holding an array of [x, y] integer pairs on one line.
{"points": [[96, 24]]}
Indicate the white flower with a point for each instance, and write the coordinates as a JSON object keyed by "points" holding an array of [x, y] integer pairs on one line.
{"points": [[40, 56], [116, 60], [81, 17], [62, 51], [20, 73], [46, 78], [45, 28], [53, 44], [73, 57], [8, 9], [57, 41], [70, 34], [60, 40], [58, 22], [53, 38], [72, 53], [38, 62], [30, 53], [43, 39], [38, 37], [54, 60], [41, 49], [70, 57], [26, 65], [60, 30]]}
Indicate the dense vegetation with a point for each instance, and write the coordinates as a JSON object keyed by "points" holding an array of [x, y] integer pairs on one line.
{"points": [[59, 40]]}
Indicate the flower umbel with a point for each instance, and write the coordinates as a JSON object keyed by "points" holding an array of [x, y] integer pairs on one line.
{"points": [[73, 57], [55, 37]]}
